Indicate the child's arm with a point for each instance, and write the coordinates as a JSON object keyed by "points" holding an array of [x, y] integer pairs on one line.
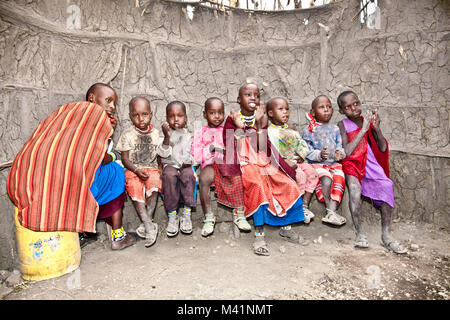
{"points": [[261, 121], [164, 149], [302, 149], [349, 147], [378, 135], [130, 166], [197, 146], [339, 152], [109, 156], [314, 155], [188, 159]]}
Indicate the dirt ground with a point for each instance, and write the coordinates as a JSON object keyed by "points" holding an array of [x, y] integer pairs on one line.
{"points": [[223, 267]]}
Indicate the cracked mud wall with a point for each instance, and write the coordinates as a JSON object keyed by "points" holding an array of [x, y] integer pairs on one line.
{"points": [[402, 69]]}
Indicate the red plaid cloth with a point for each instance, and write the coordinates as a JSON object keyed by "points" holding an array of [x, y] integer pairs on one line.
{"points": [[230, 190]]}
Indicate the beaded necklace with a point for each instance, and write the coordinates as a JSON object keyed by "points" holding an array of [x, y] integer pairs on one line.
{"points": [[248, 119], [284, 126]]}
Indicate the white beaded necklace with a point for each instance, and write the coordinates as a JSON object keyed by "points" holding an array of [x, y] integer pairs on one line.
{"points": [[248, 119]]}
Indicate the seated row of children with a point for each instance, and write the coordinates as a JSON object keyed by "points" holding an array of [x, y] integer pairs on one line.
{"points": [[260, 166]]}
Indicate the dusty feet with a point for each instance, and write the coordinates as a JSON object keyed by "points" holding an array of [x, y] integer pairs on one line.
{"points": [[127, 241], [361, 241], [260, 246], [393, 245], [208, 225]]}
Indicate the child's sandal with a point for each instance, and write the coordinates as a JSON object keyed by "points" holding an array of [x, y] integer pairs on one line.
{"points": [[150, 237], [208, 226], [260, 246], [242, 223], [334, 218]]}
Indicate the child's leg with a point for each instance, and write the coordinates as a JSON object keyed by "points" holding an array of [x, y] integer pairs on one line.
{"points": [[187, 191], [170, 189], [386, 220], [151, 228], [120, 239], [311, 180], [206, 179], [288, 234], [260, 246], [331, 205], [355, 201], [326, 191], [240, 220]]}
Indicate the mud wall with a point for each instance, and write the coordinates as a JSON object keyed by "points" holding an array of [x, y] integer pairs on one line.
{"points": [[52, 51]]}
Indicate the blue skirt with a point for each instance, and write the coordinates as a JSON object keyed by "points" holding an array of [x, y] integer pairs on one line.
{"points": [[109, 182], [294, 215]]}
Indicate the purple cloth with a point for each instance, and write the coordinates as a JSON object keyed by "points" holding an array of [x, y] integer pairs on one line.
{"points": [[375, 184]]}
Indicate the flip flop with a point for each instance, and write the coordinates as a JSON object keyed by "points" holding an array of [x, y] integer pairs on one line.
{"points": [[395, 247], [260, 247], [361, 241]]}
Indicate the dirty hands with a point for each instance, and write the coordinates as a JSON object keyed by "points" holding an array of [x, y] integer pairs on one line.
{"points": [[141, 174], [261, 119], [325, 154], [338, 156], [374, 118]]}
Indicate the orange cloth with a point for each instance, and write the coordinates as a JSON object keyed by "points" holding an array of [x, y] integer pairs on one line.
{"points": [[265, 183], [138, 189]]}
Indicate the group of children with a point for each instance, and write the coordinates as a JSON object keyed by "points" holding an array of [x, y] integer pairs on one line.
{"points": [[260, 166]]}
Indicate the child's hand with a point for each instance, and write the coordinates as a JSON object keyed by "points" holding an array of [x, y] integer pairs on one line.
{"points": [[375, 119], [236, 119], [141, 174], [338, 156], [260, 115], [366, 123], [165, 129], [324, 154]]}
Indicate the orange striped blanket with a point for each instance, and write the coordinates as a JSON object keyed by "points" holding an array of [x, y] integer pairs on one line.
{"points": [[50, 178]]}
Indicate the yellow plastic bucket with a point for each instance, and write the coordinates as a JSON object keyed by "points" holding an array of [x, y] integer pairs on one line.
{"points": [[46, 255]]}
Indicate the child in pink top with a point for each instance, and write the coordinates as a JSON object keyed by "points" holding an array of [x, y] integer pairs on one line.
{"points": [[206, 149]]}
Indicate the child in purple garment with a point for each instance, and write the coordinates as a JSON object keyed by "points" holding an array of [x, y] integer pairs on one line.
{"points": [[366, 168]]}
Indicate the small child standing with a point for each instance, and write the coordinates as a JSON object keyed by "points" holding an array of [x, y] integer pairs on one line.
{"points": [[178, 179], [137, 146], [206, 148], [366, 168], [325, 150], [293, 149]]}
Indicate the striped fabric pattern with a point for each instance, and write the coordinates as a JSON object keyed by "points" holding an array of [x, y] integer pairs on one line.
{"points": [[50, 178]]}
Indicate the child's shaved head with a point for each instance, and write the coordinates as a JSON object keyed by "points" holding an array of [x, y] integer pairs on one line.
{"points": [[245, 85], [136, 99], [96, 86], [341, 97], [273, 102], [316, 100], [210, 100], [174, 103]]}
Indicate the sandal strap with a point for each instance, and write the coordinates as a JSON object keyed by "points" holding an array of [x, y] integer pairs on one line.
{"points": [[212, 220], [237, 219]]}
